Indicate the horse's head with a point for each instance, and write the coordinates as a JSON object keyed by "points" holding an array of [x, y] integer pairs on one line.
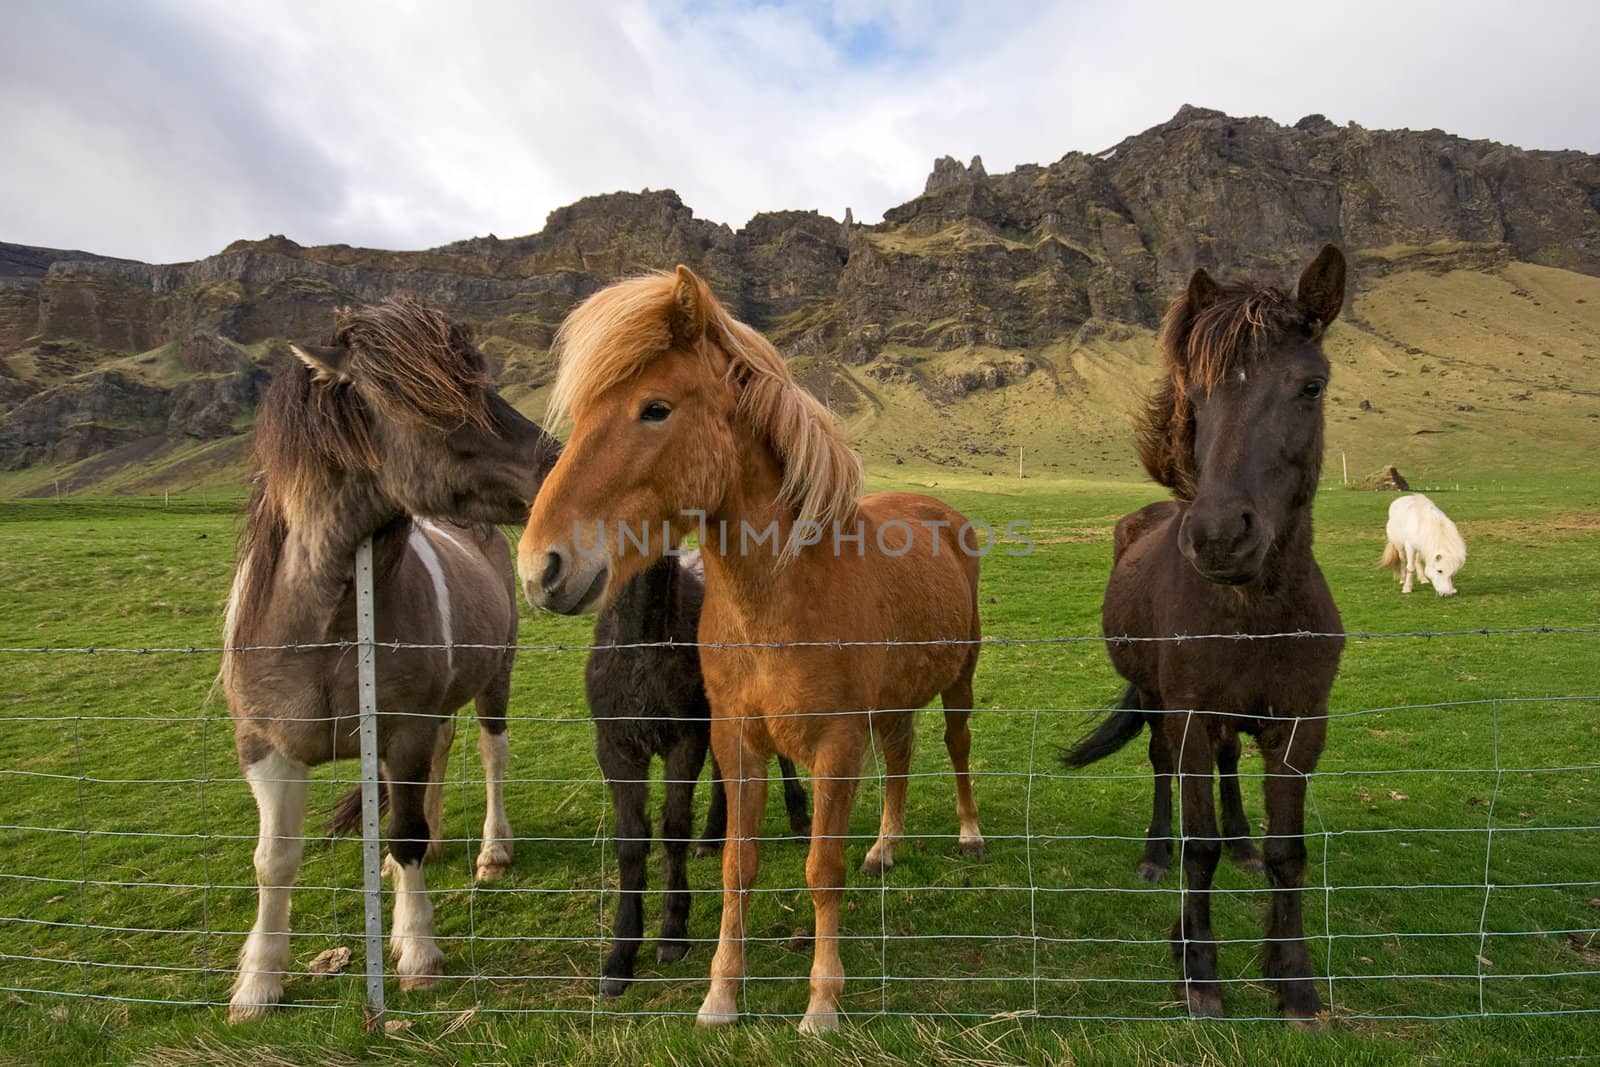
{"points": [[403, 400], [671, 398], [1237, 428]]}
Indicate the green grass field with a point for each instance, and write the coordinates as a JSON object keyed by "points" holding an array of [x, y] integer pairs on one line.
{"points": [[126, 834]]}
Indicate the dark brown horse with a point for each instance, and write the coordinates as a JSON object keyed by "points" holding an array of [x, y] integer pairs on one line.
{"points": [[648, 699], [1236, 433], [394, 425]]}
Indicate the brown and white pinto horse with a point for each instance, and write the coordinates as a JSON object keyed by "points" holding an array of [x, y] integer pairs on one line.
{"points": [[688, 421], [394, 425]]}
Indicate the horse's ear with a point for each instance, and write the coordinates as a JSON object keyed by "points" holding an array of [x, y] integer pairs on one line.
{"points": [[1321, 287], [327, 362], [689, 299], [1203, 291]]}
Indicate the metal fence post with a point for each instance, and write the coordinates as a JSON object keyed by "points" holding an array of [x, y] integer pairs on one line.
{"points": [[371, 846]]}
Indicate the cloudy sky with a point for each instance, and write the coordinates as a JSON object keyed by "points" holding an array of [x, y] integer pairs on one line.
{"points": [[163, 130]]}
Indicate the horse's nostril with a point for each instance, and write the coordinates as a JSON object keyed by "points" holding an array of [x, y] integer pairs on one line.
{"points": [[1247, 521], [552, 571]]}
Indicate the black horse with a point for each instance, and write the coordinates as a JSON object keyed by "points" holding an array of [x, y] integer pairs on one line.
{"points": [[1235, 432], [648, 699]]}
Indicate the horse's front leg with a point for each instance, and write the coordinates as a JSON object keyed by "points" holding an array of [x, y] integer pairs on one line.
{"points": [[1410, 567], [627, 772], [279, 785], [418, 961], [1286, 959], [683, 764], [834, 776], [1193, 944], [744, 773]]}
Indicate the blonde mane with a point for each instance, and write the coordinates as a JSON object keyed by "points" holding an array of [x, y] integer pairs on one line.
{"points": [[615, 333]]}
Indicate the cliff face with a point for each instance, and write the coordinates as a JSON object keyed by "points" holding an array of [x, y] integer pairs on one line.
{"points": [[96, 353]]}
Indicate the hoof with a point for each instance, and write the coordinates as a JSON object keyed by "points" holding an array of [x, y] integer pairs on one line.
{"points": [[801, 832], [492, 862], [418, 968], [434, 850], [671, 951], [709, 1016], [254, 1003], [819, 1022], [707, 848], [1315, 1024], [875, 864], [1249, 861], [612, 988], [1151, 871], [1203, 1004], [972, 848]]}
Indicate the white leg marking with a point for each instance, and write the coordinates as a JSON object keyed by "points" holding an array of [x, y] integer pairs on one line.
{"points": [[430, 559], [279, 785], [418, 960], [495, 751]]}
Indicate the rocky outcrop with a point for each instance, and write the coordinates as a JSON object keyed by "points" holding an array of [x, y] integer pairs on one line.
{"points": [[1043, 254]]}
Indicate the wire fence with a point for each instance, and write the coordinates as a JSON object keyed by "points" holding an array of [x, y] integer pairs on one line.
{"points": [[1458, 878]]}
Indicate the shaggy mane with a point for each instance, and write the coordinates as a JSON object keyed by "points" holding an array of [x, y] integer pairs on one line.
{"points": [[1198, 350], [615, 333], [313, 428]]}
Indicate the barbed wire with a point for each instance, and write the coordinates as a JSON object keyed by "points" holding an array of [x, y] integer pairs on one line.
{"points": [[988, 641]]}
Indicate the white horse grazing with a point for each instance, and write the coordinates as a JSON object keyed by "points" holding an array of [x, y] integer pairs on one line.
{"points": [[1423, 541]]}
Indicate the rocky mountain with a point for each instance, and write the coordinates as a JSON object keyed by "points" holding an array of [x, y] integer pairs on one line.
{"points": [[1040, 277]]}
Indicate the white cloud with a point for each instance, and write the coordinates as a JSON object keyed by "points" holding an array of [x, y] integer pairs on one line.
{"points": [[165, 131]]}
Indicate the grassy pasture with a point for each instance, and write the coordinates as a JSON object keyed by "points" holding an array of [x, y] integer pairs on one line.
{"points": [[121, 808]]}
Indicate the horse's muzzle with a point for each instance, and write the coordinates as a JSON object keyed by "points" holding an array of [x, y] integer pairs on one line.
{"points": [[1225, 545], [563, 581]]}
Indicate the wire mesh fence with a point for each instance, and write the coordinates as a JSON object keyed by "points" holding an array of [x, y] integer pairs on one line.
{"points": [[1453, 868]]}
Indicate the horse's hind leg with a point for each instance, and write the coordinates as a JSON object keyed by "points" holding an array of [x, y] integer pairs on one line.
{"points": [[433, 798], [1291, 750], [627, 771], [897, 739], [683, 764], [1235, 827], [1158, 839], [418, 961], [957, 702], [717, 818], [1193, 943], [279, 785], [494, 751], [794, 799]]}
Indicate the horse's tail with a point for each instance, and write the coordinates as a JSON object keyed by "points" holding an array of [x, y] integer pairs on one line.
{"points": [[1114, 731], [346, 818], [1391, 559]]}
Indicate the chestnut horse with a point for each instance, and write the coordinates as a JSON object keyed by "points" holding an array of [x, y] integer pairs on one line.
{"points": [[1235, 432], [688, 421]]}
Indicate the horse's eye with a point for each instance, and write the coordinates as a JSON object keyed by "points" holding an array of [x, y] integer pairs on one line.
{"points": [[1312, 389], [655, 411]]}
